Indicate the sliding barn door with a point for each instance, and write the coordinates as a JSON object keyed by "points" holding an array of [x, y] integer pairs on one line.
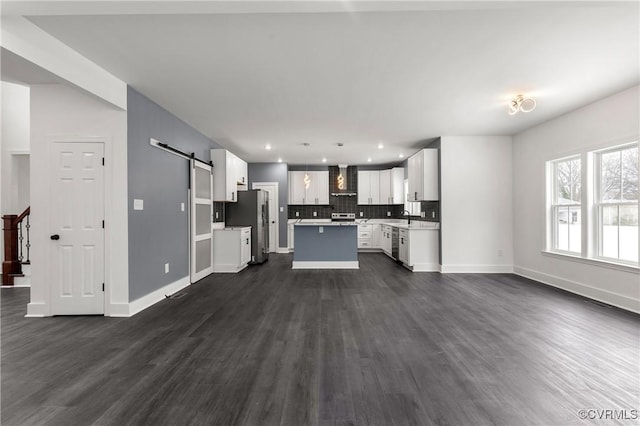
{"points": [[201, 220]]}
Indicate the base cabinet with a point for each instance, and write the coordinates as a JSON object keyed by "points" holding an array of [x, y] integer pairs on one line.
{"points": [[231, 249], [386, 239], [418, 249]]}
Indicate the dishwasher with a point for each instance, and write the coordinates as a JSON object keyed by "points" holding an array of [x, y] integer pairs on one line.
{"points": [[395, 246]]}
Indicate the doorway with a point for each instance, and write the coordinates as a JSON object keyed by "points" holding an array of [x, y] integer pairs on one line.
{"points": [[271, 188], [76, 246]]}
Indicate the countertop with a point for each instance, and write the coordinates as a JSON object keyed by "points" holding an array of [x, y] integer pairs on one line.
{"points": [[326, 224], [397, 223]]}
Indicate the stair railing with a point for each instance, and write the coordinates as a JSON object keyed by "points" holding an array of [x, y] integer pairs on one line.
{"points": [[17, 245]]}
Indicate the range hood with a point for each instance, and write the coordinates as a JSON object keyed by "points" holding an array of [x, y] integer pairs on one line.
{"points": [[342, 183]]}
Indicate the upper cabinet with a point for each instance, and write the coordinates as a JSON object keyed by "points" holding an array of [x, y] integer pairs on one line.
{"points": [[423, 176], [313, 192], [381, 186], [229, 175], [369, 187]]}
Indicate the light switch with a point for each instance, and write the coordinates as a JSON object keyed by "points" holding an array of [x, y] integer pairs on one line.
{"points": [[166, 268], [181, 206], [389, 214], [315, 214], [281, 209], [361, 214], [138, 204], [321, 229], [217, 214], [297, 214]]}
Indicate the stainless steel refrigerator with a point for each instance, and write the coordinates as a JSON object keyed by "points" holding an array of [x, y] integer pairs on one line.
{"points": [[252, 209]]}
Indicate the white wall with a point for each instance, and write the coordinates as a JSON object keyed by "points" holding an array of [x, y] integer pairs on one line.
{"points": [[59, 112], [610, 120], [476, 205], [15, 139]]}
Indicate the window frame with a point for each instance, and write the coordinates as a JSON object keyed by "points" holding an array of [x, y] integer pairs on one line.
{"points": [[599, 204], [554, 207]]}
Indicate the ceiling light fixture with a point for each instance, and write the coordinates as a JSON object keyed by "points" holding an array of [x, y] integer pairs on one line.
{"points": [[380, 145], [520, 103], [401, 155], [279, 160], [324, 160], [267, 147], [369, 159]]}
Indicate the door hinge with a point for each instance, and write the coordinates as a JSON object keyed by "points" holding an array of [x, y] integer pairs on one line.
{"points": [[103, 224], [103, 161], [102, 286]]}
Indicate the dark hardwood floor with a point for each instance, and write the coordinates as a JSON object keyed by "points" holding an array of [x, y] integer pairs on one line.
{"points": [[378, 346]]}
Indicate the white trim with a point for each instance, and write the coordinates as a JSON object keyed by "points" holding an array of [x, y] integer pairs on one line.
{"points": [[591, 261], [16, 285], [37, 310], [325, 265], [228, 268], [618, 300], [138, 305], [283, 250], [476, 269], [424, 267], [277, 198], [19, 152]]}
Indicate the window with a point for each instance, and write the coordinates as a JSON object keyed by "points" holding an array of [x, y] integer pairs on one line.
{"points": [[617, 203], [566, 207], [413, 207], [602, 185]]}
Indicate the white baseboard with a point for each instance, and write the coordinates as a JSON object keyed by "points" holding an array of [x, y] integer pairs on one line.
{"points": [[228, 268], [154, 297], [119, 310], [325, 265], [476, 269], [283, 250], [423, 267], [37, 310], [618, 300]]}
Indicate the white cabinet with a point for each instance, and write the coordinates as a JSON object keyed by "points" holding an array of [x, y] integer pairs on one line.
{"points": [[386, 239], [231, 249], [316, 193], [423, 176], [369, 187], [364, 236], [403, 246], [376, 235], [229, 175], [418, 249], [392, 186], [290, 236]]}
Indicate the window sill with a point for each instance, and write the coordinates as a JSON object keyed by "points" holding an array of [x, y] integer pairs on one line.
{"points": [[595, 262]]}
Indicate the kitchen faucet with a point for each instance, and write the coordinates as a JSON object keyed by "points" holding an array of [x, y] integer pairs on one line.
{"points": [[408, 216]]}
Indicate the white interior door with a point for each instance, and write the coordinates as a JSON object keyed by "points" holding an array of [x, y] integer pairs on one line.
{"points": [[76, 249], [271, 188], [201, 220]]}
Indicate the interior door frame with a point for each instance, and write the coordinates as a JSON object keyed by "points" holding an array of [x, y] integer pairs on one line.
{"points": [[277, 204], [107, 209]]}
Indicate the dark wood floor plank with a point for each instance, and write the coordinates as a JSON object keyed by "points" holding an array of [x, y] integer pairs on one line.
{"points": [[378, 346]]}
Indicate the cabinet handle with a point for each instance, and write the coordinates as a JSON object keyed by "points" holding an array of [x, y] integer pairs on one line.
{"points": [[401, 240], [233, 195], [416, 196], [247, 241]]}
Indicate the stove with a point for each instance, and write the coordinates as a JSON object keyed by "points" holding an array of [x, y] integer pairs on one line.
{"points": [[343, 217]]}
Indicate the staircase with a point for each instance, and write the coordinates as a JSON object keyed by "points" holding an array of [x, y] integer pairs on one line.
{"points": [[16, 265]]}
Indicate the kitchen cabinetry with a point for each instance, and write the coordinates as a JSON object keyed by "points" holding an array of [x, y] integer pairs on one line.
{"points": [[229, 175], [364, 236], [385, 240], [369, 187], [231, 249], [290, 235], [418, 249], [317, 193], [392, 186], [376, 235], [423, 176]]}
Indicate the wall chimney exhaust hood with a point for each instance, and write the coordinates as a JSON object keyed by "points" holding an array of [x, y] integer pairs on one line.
{"points": [[341, 183]]}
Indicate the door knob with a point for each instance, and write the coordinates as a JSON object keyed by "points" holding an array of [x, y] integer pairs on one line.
{"points": [[55, 237]]}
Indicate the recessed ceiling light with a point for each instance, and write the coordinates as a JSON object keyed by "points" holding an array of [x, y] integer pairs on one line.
{"points": [[279, 160], [267, 147], [380, 145], [324, 160], [401, 155], [369, 159], [340, 144]]}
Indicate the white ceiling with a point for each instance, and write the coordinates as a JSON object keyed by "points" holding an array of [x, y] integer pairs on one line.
{"points": [[397, 75]]}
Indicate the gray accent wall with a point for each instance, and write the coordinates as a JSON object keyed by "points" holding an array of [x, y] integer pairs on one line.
{"points": [[274, 172], [158, 234]]}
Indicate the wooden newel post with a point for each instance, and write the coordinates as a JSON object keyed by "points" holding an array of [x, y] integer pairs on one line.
{"points": [[10, 264]]}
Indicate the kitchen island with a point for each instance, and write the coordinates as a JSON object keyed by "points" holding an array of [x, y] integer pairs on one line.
{"points": [[326, 245]]}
